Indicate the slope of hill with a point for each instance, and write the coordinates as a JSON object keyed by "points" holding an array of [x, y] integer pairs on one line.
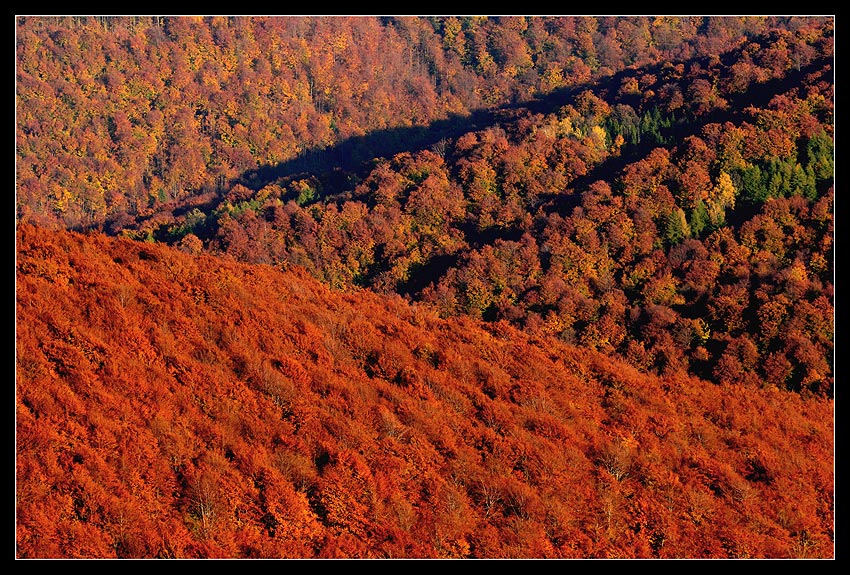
{"points": [[677, 214], [178, 405], [462, 287], [122, 114]]}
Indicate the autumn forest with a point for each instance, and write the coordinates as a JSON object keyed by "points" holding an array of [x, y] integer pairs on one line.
{"points": [[424, 287]]}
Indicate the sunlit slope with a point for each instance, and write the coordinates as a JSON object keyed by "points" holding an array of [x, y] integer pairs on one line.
{"points": [[173, 405]]}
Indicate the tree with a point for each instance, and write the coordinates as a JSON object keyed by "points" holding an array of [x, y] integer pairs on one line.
{"points": [[677, 227]]}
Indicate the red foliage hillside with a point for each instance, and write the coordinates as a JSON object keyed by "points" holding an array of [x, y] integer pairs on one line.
{"points": [[174, 405]]}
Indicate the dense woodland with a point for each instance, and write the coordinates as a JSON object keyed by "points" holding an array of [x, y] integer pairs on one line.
{"points": [[549, 287], [172, 405]]}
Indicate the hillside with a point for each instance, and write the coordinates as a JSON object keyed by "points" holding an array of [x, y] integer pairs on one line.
{"points": [[120, 115], [425, 287], [678, 215], [177, 405]]}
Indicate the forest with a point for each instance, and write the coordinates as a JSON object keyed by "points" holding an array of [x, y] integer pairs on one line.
{"points": [[425, 287]]}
